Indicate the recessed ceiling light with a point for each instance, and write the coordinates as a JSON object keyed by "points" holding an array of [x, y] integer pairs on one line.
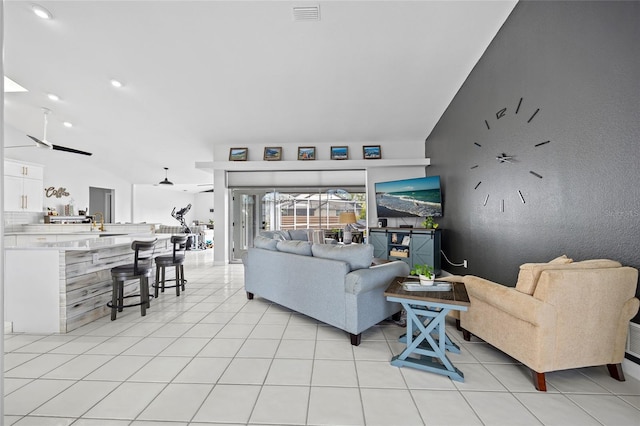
{"points": [[53, 97], [41, 12], [67, 124], [116, 83]]}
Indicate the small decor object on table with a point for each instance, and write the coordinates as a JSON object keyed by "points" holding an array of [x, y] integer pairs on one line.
{"points": [[272, 153], [238, 154], [425, 273], [371, 152], [306, 153], [339, 152]]}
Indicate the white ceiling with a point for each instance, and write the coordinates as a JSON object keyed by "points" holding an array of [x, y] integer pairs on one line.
{"points": [[200, 73]]}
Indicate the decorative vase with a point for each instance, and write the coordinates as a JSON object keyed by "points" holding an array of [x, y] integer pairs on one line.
{"points": [[426, 280]]}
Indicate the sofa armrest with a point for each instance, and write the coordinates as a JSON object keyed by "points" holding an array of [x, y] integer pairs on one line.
{"points": [[363, 280], [507, 299]]}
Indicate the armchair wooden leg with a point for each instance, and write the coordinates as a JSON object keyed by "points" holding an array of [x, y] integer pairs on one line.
{"points": [[466, 335], [397, 316], [458, 327], [249, 295], [539, 381], [615, 370]]}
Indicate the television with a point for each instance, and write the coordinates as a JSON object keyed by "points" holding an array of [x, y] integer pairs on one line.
{"points": [[418, 197]]}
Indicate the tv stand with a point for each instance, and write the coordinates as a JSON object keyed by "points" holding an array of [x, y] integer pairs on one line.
{"points": [[415, 246]]}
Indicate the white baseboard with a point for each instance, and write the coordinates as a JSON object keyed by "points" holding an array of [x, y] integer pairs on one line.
{"points": [[630, 368]]}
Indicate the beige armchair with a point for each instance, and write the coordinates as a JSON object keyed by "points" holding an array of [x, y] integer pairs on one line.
{"points": [[559, 316]]}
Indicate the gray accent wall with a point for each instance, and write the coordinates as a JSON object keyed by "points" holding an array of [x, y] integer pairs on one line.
{"points": [[579, 64]]}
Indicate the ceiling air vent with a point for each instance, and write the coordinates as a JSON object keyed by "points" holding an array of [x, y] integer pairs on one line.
{"points": [[306, 13]]}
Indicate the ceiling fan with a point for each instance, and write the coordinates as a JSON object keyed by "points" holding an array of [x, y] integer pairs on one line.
{"points": [[46, 144]]}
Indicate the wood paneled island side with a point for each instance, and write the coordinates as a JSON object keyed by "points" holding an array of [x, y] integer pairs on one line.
{"points": [[60, 286]]}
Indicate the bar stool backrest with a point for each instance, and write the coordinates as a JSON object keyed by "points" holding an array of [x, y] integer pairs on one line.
{"points": [[179, 246], [144, 254]]}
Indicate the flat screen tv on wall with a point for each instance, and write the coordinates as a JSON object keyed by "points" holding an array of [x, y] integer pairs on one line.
{"points": [[418, 197]]}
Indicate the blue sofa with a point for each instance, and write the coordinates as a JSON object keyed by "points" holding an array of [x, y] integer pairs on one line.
{"points": [[334, 284]]}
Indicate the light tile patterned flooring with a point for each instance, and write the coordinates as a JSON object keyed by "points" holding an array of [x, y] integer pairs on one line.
{"points": [[211, 356]]}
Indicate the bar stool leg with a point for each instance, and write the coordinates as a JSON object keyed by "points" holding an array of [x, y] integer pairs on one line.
{"points": [[120, 295], [147, 292], [164, 270], [114, 298], [177, 268], [182, 275], [155, 293], [144, 295]]}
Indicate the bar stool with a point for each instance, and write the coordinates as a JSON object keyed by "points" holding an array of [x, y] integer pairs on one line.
{"points": [[175, 259], [140, 269]]}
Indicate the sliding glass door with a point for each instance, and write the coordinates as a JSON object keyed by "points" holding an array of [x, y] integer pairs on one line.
{"points": [[287, 208]]}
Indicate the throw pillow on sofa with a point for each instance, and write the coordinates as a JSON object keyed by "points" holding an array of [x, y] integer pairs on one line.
{"points": [[358, 256], [299, 234], [295, 247], [265, 243]]}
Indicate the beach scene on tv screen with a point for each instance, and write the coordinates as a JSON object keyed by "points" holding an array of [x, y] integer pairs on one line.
{"points": [[418, 197]]}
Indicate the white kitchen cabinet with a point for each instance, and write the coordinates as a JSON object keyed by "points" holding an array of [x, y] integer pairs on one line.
{"points": [[23, 186]]}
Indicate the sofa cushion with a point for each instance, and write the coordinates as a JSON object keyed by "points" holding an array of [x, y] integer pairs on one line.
{"points": [[276, 235], [295, 247], [265, 243], [358, 256], [299, 234], [532, 271]]}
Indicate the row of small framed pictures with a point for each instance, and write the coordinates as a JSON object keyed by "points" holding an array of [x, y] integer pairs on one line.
{"points": [[274, 153]]}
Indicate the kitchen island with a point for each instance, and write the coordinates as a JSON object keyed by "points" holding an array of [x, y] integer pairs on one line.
{"points": [[56, 287]]}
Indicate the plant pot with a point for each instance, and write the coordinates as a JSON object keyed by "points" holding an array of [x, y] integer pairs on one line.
{"points": [[426, 280]]}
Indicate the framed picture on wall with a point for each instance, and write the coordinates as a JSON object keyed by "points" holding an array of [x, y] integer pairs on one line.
{"points": [[238, 154], [272, 153], [306, 153], [371, 152], [339, 152]]}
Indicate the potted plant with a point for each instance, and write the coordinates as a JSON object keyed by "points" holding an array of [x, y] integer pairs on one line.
{"points": [[429, 223], [425, 273]]}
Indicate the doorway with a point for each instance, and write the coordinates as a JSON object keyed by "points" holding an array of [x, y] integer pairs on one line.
{"points": [[102, 200], [246, 215]]}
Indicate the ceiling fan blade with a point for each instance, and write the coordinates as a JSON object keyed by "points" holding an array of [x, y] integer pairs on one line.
{"points": [[43, 143], [40, 143], [72, 150]]}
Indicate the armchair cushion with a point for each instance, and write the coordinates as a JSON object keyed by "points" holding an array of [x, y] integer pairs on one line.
{"points": [[530, 272]]}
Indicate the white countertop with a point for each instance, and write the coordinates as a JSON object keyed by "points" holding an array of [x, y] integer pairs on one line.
{"points": [[89, 244]]}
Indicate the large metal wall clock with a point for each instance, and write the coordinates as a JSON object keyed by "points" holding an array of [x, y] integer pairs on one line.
{"points": [[499, 156]]}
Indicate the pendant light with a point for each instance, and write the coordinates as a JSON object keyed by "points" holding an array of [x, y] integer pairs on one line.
{"points": [[166, 181]]}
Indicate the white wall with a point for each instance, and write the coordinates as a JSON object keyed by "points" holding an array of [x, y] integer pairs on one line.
{"points": [[203, 202], [76, 173], [154, 204]]}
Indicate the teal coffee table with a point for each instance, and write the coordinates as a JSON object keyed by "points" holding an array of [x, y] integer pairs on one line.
{"points": [[426, 336]]}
